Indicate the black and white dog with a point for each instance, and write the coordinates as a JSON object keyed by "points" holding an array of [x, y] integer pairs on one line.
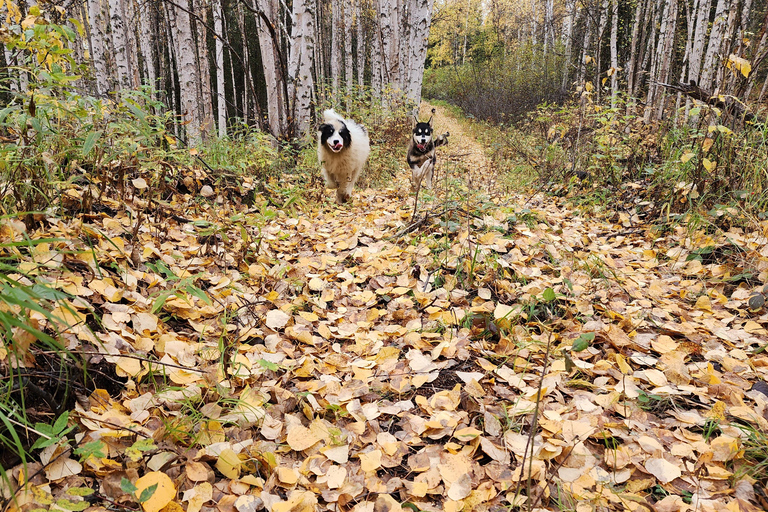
{"points": [[421, 152], [342, 149]]}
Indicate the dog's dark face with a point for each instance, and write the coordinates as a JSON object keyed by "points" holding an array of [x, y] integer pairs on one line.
{"points": [[335, 135], [422, 134]]}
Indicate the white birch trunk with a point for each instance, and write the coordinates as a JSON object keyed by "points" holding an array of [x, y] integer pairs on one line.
{"points": [[713, 55], [614, 52], [348, 74], [655, 102], [186, 68], [221, 101], [420, 17], [129, 15], [567, 39], [336, 54], [360, 44], [635, 48], [246, 64], [377, 64], [146, 38], [97, 16], [698, 45], [300, 63], [389, 15], [270, 65], [549, 16], [205, 110], [120, 44]]}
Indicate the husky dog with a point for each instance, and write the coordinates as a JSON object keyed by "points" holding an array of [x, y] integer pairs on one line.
{"points": [[421, 152], [342, 149]]}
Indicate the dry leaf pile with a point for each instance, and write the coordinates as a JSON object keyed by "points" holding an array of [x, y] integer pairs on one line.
{"points": [[311, 360]]}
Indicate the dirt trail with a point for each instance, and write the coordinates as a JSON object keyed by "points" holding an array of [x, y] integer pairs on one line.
{"points": [[464, 157]]}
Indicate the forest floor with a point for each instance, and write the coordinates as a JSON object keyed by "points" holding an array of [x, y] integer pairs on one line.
{"points": [[503, 351]]}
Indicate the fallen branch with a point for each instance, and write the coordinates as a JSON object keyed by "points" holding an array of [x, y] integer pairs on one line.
{"points": [[726, 103]]}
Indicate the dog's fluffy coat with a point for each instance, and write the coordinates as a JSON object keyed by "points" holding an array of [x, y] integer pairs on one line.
{"points": [[421, 155], [342, 149]]}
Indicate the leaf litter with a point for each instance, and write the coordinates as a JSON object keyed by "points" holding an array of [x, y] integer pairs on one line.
{"points": [[313, 360]]}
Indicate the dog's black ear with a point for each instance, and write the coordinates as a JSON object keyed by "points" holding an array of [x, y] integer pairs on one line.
{"points": [[430, 118], [414, 121]]}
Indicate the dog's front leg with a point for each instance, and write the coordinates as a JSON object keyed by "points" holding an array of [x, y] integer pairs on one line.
{"points": [[344, 193], [330, 181]]}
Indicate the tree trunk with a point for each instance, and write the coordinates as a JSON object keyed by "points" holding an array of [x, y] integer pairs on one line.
{"points": [[635, 48], [98, 15], [649, 44], [614, 52], [581, 76], [205, 109], [549, 17], [377, 63], [389, 15], [122, 52], [271, 63], [701, 21], [567, 39], [300, 63], [186, 68], [420, 18], [603, 23], [713, 56], [663, 62], [360, 43], [147, 36], [348, 74], [221, 101], [336, 46]]}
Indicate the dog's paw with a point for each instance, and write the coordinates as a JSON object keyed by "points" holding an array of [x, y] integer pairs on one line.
{"points": [[342, 196]]}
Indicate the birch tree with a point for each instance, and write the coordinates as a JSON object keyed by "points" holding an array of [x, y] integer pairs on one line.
{"points": [[221, 100], [336, 54], [420, 17], [712, 57], [186, 69], [146, 37], [567, 39], [662, 61], [361, 46], [267, 20], [98, 16], [300, 62], [614, 72], [122, 52], [348, 75]]}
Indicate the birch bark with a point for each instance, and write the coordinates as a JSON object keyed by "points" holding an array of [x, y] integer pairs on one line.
{"points": [[336, 54], [270, 63], [567, 39], [147, 36], [300, 63], [120, 44], [97, 16], [186, 68], [221, 101], [614, 52], [348, 74], [360, 43], [420, 18], [712, 57]]}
